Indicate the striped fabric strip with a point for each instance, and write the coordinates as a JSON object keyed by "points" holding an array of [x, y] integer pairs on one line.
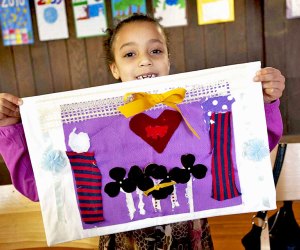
{"points": [[223, 179], [88, 180]]}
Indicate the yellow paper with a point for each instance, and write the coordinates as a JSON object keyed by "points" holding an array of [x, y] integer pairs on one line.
{"points": [[215, 11]]}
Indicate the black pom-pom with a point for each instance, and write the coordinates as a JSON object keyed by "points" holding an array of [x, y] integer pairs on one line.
{"points": [[156, 171], [112, 189], [179, 175], [135, 173], [117, 173], [145, 183], [129, 185], [188, 160], [199, 171], [162, 193]]}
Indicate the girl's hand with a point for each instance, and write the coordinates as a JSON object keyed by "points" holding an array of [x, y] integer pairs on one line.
{"points": [[273, 83], [9, 109]]}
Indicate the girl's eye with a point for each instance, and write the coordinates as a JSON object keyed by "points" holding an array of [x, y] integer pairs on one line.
{"points": [[156, 51], [129, 54]]}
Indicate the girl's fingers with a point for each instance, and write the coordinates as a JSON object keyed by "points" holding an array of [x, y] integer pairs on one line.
{"points": [[11, 98], [9, 105], [272, 94], [270, 75], [273, 83], [9, 112], [270, 78]]}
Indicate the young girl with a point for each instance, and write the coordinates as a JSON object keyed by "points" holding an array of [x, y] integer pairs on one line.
{"points": [[136, 49]]}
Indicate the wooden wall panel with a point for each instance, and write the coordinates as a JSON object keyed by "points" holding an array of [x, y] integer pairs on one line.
{"points": [[254, 32], [8, 80], [292, 94], [97, 67], [76, 51], [40, 60], [215, 49], [274, 33], [260, 32], [176, 50], [78, 63], [193, 41], [282, 51], [24, 70], [59, 64], [274, 36], [235, 36]]}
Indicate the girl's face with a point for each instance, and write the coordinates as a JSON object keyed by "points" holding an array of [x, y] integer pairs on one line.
{"points": [[140, 51]]}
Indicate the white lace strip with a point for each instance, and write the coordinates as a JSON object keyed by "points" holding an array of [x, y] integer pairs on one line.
{"points": [[83, 111]]}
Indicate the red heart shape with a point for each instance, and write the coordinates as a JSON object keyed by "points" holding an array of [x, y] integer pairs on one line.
{"points": [[156, 132]]}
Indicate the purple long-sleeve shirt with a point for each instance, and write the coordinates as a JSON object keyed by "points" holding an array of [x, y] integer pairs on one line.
{"points": [[13, 149]]}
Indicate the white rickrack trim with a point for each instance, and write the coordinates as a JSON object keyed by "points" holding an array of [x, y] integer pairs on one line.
{"points": [[82, 111]]}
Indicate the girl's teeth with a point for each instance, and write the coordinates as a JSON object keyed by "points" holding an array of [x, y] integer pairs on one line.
{"points": [[146, 76]]}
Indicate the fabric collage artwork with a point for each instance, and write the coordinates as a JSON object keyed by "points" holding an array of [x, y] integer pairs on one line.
{"points": [[134, 155], [158, 168]]}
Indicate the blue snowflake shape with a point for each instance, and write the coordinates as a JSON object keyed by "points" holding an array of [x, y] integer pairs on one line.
{"points": [[50, 15], [255, 150], [54, 160]]}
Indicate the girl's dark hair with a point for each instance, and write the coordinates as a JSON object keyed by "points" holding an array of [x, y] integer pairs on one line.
{"points": [[111, 33]]}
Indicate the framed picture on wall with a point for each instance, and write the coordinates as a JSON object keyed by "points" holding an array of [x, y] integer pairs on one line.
{"points": [[90, 17], [124, 8], [215, 11], [16, 22], [165, 10], [51, 19]]}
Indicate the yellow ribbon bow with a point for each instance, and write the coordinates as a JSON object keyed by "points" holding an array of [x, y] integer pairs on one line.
{"points": [[159, 186], [143, 101]]}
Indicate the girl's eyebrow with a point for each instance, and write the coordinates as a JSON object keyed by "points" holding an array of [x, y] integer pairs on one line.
{"points": [[154, 40], [127, 44]]}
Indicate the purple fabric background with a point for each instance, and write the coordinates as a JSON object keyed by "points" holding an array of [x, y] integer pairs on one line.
{"points": [[115, 145]]}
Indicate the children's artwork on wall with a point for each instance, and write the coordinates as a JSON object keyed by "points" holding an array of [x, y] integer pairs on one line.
{"points": [[90, 17], [122, 9], [292, 9], [16, 22], [137, 154], [166, 10], [215, 11], [51, 19]]}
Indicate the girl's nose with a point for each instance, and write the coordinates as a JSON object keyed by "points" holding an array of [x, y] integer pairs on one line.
{"points": [[145, 60]]}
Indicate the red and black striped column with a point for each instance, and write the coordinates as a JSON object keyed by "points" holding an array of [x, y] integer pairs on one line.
{"points": [[88, 180], [223, 179]]}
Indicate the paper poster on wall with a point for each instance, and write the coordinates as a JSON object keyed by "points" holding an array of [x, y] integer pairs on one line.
{"points": [[90, 17], [166, 10], [16, 22], [124, 8], [105, 161], [215, 11], [51, 19], [292, 9]]}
